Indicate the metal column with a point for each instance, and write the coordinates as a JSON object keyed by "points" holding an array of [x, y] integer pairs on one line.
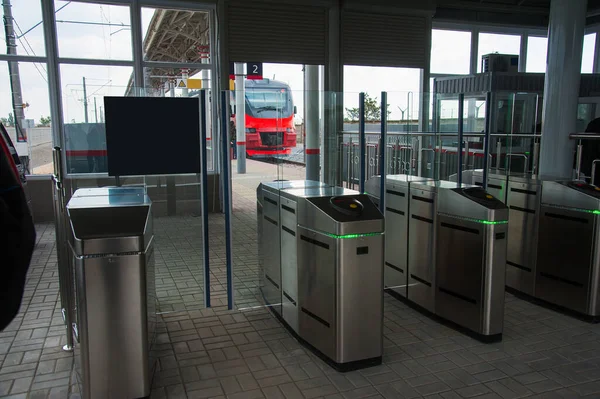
{"points": [[461, 109], [561, 89], [226, 184], [311, 121], [204, 194], [362, 143], [240, 117], [382, 151]]}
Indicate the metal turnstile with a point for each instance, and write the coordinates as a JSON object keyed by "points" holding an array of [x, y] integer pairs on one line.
{"points": [[269, 242], [497, 182], [568, 256], [113, 256], [472, 229], [340, 286], [331, 268], [397, 199], [523, 196]]}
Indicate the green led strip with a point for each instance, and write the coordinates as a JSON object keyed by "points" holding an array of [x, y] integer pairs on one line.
{"points": [[345, 236], [480, 221], [594, 211]]}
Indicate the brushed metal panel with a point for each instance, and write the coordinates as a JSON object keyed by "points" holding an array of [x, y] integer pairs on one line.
{"points": [[317, 291], [289, 263], [271, 249], [564, 258], [396, 238], [459, 272], [111, 324], [523, 201], [421, 252], [494, 273], [594, 301], [359, 323]]}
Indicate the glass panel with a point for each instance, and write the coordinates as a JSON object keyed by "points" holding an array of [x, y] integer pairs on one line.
{"points": [[176, 199], [537, 49], [25, 111], [495, 43], [587, 60], [97, 31], [83, 91], [26, 23], [450, 51], [176, 35]]}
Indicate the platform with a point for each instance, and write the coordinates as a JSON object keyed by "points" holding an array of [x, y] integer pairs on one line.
{"points": [[215, 353]]}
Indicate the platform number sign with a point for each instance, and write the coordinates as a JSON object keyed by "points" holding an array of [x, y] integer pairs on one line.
{"points": [[254, 70]]}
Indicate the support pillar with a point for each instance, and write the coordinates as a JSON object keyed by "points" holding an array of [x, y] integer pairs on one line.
{"points": [[240, 117], [561, 89], [311, 121]]}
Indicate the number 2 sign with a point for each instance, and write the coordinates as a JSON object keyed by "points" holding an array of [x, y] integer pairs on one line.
{"points": [[254, 70]]}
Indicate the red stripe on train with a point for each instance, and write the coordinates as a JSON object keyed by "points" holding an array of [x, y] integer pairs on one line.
{"points": [[86, 153]]}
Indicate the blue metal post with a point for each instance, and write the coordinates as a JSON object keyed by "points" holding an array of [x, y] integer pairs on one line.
{"points": [[226, 182], [461, 110], [486, 139], [362, 143], [382, 151], [204, 199]]}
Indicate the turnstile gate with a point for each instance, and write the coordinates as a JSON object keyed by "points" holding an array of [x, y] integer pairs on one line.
{"points": [[331, 267], [472, 229], [269, 241], [398, 218], [568, 256], [438, 259]]}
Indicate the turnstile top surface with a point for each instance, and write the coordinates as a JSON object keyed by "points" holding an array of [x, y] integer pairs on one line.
{"points": [[571, 194], [436, 185], [492, 173], [275, 186], [472, 203], [525, 179], [108, 191], [309, 192], [108, 198], [340, 215]]}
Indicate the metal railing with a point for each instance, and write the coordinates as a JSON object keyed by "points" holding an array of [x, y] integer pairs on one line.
{"points": [[431, 154]]}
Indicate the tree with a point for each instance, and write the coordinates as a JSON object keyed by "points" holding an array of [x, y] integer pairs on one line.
{"points": [[372, 111], [10, 121], [45, 121]]}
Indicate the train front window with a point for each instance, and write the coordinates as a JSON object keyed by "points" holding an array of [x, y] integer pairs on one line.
{"points": [[268, 103]]}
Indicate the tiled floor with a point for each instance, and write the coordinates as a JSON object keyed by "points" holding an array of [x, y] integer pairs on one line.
{"points": [[207, 353]]}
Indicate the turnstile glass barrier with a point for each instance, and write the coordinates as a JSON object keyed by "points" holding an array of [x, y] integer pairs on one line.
{"points": [[113, 256], [568, 261], [331, 271]]}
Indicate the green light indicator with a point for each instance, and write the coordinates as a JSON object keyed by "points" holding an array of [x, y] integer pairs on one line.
{"points": [[345, 236], [490, 222]]}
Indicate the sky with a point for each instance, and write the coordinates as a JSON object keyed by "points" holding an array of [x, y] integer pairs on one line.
{"points": [[109, 37]]}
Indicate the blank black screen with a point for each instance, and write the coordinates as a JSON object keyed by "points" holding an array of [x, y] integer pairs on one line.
{"points": [[152, 136]]}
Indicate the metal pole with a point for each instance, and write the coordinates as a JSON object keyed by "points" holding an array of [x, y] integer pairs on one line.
{"points": [[85, 103], [362, 142], [486, 139], [15, 81], [498, 153], [204, 194], [240, 117], [382, 151], [579, 158], [461, 107], [311, 121], [95, 110], [226, 182]]}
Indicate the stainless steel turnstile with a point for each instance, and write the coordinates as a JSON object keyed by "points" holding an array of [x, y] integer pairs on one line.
{"points": [[472, 229], [113, 257], [568, 256], [269, 241], [331, 267], [496, 182], [523, 196], [397, 216]]}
